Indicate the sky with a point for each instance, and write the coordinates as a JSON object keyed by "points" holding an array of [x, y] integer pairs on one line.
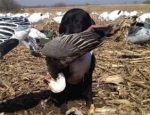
{"points": [[52, 2]]}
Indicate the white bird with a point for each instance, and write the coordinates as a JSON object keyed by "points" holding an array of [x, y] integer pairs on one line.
{"points": [[94, 13], [115, 15], [2, 15], [9, 14], [141, 19], [36, 18], [126, 14], [138, 34], [31, 40], [36, 34], [133, 13], [57, 19], [60, 13], [103, 16], [26, 15]]}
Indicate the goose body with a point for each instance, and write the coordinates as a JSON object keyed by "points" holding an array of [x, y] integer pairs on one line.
{"points": [[143, 17], [57, 19], [36, 18], [115, 15], [138, 34], [103, 16], [126, 14], [31, 41], [25, 15], [79, 68], [133, 13], [94, 13]]}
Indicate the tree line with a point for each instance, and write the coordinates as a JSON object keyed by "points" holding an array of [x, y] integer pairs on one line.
{"points": [[14, 6], [9, 6]]}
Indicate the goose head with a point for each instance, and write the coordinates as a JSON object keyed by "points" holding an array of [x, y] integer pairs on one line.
{"points": [[57, 85]]}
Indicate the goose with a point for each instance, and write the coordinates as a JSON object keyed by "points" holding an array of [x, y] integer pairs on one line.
{"points": [[94, 13], [141, 19], [25, 15], [37, 18], [13, 30], [9, 14], [70, 59], [2, 15], [133, 13], [139, 34], [103, 16], [57, 19], [126, 14], [115, 15], [31, 41]]}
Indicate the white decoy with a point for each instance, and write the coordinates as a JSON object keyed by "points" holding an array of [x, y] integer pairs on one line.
{"points": [[36, 18], [34, 35], [141, 19], [103, 16], [9, 14], [57, 19], [26, 15], [12, 32], [59, 14], [133, 13], [2, 15], [115, 15], [95, 13], [138, 34], [126, 14]]}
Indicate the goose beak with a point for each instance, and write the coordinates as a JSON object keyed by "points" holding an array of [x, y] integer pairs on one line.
{"points": [[46, 80]]}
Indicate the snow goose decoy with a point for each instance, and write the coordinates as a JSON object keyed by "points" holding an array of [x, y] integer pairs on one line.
{"points": [[133, 13], [37, 18], [138, 34], [115, 15], [103, 16], [142, 18], [31, 41], [13, 30], [57, 19]]}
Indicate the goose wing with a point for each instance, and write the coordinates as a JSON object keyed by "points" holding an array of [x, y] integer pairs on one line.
{"points": [[12, 31], [63, 50]]}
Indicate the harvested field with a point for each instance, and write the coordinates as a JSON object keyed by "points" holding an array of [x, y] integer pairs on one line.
{"points": [[121, 81]]}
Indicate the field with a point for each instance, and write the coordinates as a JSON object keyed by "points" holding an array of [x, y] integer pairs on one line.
{"points": [[121, 81]]}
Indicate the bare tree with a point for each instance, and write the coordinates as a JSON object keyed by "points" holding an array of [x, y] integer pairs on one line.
{"points": [[146, 2], [9, 6], [61, 4], [135, 2]]}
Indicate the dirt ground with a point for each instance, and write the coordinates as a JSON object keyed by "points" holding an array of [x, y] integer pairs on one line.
{"points": [[121, 81]]}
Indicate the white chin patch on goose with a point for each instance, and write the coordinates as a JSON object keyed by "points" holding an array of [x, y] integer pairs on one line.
{"points": [[59, 84]]}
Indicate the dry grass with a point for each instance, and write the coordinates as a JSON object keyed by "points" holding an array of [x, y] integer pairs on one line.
{"points": [[121, 83]]}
